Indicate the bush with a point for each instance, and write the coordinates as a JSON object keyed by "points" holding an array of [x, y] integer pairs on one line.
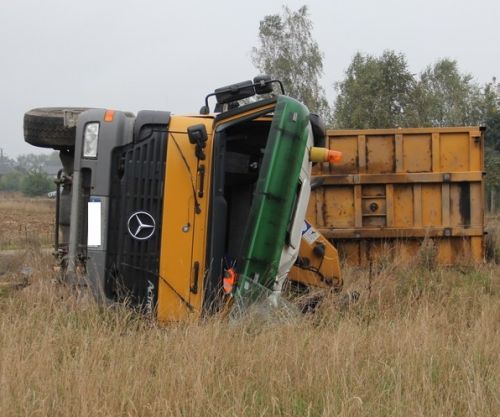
{"points": [[36, 184], [11, 181], [492, 244]]}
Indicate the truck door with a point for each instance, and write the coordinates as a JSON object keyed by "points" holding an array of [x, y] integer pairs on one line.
{"points": [[183, 225]]}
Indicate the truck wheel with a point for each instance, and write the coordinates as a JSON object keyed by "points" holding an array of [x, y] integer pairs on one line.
{"points": [[51, 127]]}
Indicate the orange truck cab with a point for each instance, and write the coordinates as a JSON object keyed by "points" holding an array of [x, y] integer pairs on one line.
{"points": [[177, 214]]}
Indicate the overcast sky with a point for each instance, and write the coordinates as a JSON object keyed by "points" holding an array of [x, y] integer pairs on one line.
{"points": [[167, 55]]}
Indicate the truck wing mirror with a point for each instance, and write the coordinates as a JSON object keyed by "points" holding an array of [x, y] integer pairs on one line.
{"points": [[263, 84], [198, 136]]}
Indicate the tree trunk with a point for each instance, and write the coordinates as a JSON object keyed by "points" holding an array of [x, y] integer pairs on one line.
{"points": [[493, 200]]}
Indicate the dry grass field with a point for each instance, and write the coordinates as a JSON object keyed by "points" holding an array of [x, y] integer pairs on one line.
{"points": [[25, 221], [418, 342]]}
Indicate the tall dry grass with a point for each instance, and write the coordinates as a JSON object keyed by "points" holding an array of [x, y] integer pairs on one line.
{"points": [[417, 343]]}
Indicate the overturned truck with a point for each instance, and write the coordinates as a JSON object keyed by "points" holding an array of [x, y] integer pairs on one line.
{"points": [[180, 215]]}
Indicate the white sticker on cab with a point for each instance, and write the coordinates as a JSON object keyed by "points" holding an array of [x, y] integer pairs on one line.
{"points": [[94, 223], [309, 233]]}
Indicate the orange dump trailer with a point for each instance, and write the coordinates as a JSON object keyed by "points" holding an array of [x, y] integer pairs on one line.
{"points": [[396, 187]]}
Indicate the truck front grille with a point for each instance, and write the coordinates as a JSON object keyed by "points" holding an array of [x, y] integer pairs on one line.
{"points": [[136, 198]]}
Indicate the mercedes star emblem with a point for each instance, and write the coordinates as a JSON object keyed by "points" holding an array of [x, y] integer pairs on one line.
{"points": [[141, 225]]}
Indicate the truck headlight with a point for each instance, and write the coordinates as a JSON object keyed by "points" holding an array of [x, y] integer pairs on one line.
{"points": [[90, 140]]}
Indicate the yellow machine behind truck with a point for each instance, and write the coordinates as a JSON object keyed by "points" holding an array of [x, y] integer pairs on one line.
{"points": [[178, 214]]}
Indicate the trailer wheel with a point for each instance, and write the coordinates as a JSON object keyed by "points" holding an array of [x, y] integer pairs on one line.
{"points": [[51, 127]]}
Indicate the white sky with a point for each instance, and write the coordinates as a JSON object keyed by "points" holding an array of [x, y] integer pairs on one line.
{"points": [[167, 55]]}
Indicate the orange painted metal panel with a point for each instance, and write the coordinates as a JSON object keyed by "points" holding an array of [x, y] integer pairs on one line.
{"points": [[340, 207], [185, 242], [420, 145], [380, 152], [394, 187], [349, 163]]}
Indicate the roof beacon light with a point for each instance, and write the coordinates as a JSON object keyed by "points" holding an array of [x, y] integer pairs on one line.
{"points": [[324, 155]]}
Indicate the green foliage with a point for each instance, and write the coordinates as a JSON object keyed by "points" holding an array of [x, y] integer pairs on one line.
{"points": [[493, 131], [36, 183], [492, 153], [492, 164], [288, 52], [31, 161], [380, 92], [35, 162], [11, 181], [5, 159], [376, 92], [445, 97], [28, 176]]}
